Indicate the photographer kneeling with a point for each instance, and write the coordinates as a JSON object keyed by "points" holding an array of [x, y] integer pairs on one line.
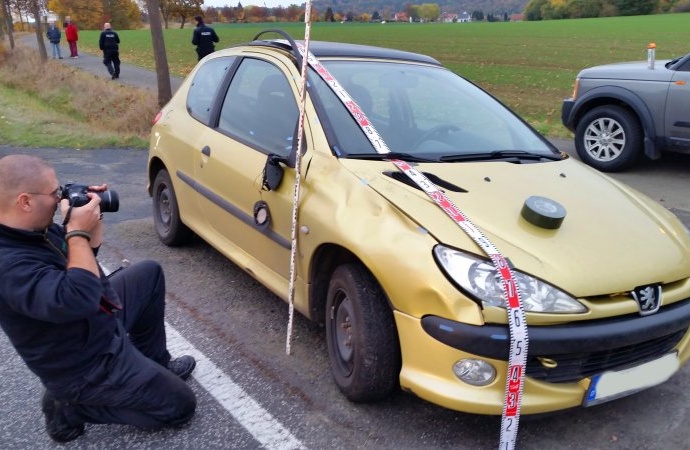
{"points": [[98, 344]]}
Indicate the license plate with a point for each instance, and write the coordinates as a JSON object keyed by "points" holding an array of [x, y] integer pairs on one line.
{"points": [[612, 385]]}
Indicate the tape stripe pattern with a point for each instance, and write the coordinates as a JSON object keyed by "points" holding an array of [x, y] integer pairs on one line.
{"points": [[517, 323]]}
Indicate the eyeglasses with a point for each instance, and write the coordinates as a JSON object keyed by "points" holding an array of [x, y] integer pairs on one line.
{"points": [[57, 193]]}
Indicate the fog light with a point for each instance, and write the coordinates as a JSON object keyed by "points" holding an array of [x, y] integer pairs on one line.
{"points": [[474, 371]]}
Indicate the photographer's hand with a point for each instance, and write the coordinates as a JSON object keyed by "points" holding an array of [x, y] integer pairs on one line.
{"points": [[83, 230], [97, 233]]}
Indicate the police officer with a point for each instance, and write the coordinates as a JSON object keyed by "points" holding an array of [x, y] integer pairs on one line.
{"points": [[109, 44], [204, 37]]}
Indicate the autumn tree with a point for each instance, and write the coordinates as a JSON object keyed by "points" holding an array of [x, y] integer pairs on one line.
{"points": [[429, 12], [412, 12], [228, 13], [165, 7], [186, 9], [328, 17], [122, 14], [239, 12], [86, 14]]}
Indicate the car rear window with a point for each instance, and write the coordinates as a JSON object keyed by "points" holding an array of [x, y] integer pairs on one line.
{"points": [[204, 88]]}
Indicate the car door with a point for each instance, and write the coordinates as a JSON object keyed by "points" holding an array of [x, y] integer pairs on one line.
{"points": [[677, 110], [257, 118]]}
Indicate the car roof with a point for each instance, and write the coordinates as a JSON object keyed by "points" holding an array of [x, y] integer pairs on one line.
{"points": [[325, 49]]}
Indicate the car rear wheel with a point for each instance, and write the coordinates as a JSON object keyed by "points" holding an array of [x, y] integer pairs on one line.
{"points": [[360, 332], [609, 138], [166, 214]]}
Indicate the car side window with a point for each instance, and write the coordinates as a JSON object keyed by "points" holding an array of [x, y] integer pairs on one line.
{"points": [[260, 108], [204, 88]]}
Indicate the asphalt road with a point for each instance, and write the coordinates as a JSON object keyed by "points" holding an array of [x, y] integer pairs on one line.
{"points": [[253, 395]]}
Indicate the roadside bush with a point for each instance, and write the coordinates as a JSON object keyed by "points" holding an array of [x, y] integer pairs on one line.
{"points": [[681, 6], [104, 105]]}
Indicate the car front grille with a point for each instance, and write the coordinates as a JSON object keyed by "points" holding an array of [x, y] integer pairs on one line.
{"points": [[568, 368]]}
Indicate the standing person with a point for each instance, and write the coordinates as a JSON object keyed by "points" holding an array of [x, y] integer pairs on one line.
{"points": [[72, 35], [53, 34], [109, 43], [97, 343], [204, 38]]}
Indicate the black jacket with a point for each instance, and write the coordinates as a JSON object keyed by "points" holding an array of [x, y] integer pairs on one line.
{"points": [[52, 314], [109, 41], [204, 38]]}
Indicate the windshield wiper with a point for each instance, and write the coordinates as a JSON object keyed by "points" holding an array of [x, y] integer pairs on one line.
{"points": [[391, 155], [519, 155]]}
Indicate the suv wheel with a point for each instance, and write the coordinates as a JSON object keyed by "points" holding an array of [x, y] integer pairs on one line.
{"points": [[361, 336], [609, 138]]}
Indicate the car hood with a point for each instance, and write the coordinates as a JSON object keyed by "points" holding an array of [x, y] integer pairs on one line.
{"points": [[629, 71], [611, 240]]}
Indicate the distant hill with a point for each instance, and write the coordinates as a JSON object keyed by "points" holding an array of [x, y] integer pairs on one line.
{"points": [[496, 7]]}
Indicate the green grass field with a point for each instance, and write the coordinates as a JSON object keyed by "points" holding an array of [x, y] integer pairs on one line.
{"points": [[530, 66]]}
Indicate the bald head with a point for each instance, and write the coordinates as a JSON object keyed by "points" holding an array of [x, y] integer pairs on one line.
{"points": [[21, 173], [106, 26]]}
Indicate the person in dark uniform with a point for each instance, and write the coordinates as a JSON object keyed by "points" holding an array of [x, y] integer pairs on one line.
{"points": [[96, 342], [204, 38], [109, 43]]}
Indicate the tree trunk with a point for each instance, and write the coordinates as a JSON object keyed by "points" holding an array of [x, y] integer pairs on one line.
{"points": [[8, 21], [161, 58], [36, 11]]}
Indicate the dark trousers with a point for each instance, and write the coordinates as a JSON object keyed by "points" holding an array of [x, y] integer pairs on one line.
{"points": [[131, 384], [111, 59], [202, 51]]}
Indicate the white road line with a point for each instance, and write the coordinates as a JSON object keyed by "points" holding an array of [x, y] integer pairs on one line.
{"points": [[254, 418]]}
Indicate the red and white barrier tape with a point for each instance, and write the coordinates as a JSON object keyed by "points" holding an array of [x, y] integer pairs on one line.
{"points": [[517, 323]]}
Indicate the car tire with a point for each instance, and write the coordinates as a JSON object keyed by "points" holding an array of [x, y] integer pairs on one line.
{"points": [[609, 138], [166, 213], [362, 339]]}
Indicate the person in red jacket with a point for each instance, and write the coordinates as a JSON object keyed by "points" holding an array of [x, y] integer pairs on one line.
{"points": [[72, 35]]}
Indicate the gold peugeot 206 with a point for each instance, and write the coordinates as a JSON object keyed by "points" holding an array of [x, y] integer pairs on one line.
{"points": [[409, 300]]}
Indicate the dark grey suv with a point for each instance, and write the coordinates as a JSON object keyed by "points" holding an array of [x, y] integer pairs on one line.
{"points": [[619, 112]]}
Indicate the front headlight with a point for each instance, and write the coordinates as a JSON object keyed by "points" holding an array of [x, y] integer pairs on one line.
{"points": [[479, 278]]}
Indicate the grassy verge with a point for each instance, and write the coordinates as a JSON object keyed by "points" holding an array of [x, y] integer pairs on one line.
{"points": [[54, 105]]}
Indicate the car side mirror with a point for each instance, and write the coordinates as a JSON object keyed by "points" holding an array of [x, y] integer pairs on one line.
{"points": [[273, 173]]}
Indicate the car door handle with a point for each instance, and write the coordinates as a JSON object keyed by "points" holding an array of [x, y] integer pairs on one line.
{"points": [[206, 151]]}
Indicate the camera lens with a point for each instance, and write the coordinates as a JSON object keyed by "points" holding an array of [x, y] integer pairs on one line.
{"points": [[110, 201]]}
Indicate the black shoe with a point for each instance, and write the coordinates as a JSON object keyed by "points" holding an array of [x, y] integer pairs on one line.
{"points": [[117, 75], [182, 366], [112, 77], [56, 425]]}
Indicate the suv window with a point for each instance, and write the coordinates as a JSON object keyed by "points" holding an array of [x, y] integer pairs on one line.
{"points": [[260, 108], [204, 88]]}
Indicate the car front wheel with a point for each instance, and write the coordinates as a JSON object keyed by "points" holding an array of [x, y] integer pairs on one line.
{"points": [[609, 138], [166, 214], [361, 335]]}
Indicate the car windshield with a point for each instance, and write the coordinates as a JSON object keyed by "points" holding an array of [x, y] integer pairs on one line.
{"points": [[424, 111]]}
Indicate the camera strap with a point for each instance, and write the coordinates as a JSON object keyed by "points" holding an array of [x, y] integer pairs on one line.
{"points": [[67, 216]]}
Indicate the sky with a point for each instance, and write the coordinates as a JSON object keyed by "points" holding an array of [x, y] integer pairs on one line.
{"points": [[267, 3]]}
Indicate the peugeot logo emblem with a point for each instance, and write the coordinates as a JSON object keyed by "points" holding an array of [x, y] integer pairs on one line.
{"points": [[648, 298]]}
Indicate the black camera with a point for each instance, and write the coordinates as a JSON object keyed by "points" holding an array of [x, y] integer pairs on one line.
{"points": [[76, 194]]}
